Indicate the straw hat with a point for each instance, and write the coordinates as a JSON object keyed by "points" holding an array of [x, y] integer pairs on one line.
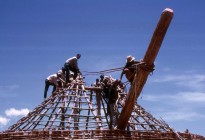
{"points": [[130, 58]]}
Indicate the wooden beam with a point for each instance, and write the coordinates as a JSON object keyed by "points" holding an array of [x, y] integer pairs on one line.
{"points": [[142, 74], [96, 89]]}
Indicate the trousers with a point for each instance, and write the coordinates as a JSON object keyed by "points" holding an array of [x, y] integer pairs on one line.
{"points": [[47, 84]]}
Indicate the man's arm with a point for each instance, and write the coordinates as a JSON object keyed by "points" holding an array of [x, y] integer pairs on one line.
{"points": [[123, 71]]}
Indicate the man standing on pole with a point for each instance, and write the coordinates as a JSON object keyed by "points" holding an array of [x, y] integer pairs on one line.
{"points": [[71, 64]]}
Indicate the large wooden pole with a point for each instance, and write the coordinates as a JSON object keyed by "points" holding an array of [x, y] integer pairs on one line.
{"points": [[142, 74]]}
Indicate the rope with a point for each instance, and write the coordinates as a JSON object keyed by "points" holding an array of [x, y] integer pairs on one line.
{"points": [[144, 66], [102, 72]]}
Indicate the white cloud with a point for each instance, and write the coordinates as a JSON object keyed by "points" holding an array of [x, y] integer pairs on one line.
{"points": [[182, 116], [182, 106], [152, 98], [15, 112], [4, 121], [194, 97], [191, 80]]}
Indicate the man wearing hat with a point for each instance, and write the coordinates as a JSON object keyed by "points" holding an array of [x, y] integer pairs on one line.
{"points": [[71, 64], [129, 68]]}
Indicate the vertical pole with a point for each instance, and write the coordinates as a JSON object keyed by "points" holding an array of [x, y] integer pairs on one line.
{"points": [[98, 103]]}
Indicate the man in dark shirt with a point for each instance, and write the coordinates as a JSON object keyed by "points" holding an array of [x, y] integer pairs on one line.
{"points": [[129, 68]]}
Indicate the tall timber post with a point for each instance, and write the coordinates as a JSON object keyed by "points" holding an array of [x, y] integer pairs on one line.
{"points": [[142, 74]]}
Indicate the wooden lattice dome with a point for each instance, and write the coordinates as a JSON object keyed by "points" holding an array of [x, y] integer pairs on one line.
{"points": [[81, 112]]}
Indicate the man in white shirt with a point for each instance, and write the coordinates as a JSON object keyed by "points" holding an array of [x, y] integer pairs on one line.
{"points": [[51, 80], [71, 64]]}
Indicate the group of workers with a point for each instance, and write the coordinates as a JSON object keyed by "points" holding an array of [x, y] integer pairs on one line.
{"points": [[71, 70], [63, 76], [111, 90]]}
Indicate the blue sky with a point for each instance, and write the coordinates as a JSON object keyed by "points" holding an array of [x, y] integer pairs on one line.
{"points": [[36, 37]]}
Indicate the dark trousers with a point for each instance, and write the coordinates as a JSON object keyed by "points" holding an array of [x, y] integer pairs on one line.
{"points": [[47, 84], [67, 69]]}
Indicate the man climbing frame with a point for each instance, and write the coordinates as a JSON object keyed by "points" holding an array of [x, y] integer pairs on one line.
{"points": [[112, 105], [129, 68], [71, 64], [52, 80]]}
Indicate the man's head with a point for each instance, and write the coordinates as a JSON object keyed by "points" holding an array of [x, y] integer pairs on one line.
{"points": [[58, 75], [97, 80], [63, 70], [118, 81], [130, 58], [78, 56], [101, 76]]}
